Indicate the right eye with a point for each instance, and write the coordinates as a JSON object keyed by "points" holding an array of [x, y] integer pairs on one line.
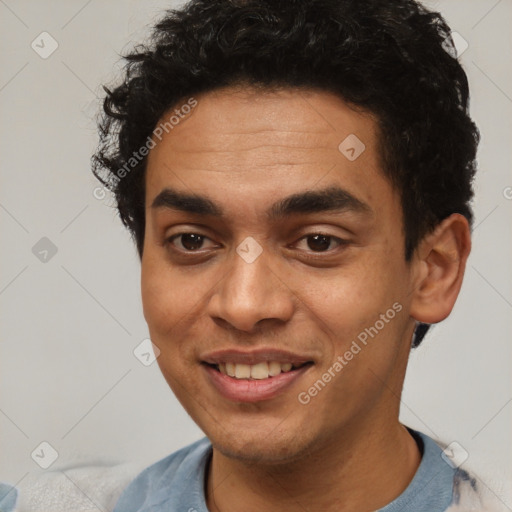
{"points": [[189, 242]]}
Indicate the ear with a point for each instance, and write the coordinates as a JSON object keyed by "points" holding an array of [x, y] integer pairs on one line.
{"points": [[439, 264]]}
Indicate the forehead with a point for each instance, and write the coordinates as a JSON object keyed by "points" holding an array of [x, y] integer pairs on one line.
{"points": [[239, 144], [232, 119]]}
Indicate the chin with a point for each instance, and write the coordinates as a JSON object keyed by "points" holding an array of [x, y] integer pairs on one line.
{"points": [[280, 446]]}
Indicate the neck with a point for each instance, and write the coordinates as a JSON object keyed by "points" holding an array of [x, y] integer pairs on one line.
{"points": [[359, 471]]}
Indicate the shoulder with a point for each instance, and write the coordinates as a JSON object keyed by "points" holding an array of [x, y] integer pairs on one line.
{"points": [[176, 475], [471, 489], [444, 482], [471, 492]]}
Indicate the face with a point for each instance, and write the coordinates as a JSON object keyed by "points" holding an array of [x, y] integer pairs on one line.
{"points": [[273, 273]]}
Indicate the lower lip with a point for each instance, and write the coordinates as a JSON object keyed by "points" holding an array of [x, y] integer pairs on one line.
{"points": [[245, 390]]}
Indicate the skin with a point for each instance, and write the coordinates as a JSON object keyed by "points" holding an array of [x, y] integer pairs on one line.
{"points": [[246, 149]]}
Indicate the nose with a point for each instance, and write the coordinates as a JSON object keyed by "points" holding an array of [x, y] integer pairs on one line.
{"points": [[251, 293]]}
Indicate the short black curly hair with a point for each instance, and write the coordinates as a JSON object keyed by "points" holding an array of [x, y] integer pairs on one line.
{"points": [[393, 58]]}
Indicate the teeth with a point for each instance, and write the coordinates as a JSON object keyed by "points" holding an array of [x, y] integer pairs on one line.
{"points": [[230, 369], [257, 371], [274, 368], [242, 371]]}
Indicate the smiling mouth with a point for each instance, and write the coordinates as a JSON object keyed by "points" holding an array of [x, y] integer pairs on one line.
{"points": [[259, 371]]}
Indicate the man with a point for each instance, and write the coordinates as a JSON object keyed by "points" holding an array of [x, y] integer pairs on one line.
{"points": [[297, 178]]}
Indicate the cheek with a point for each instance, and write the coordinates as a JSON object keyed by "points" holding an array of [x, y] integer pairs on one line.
{"points": [[165, 309], [162, 309], [173, 303], [157, 298], [167, 296], [364, 346], [352, 300]]}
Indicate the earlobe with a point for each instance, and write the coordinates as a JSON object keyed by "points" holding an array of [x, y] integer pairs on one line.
{"points": [[439, 267]]}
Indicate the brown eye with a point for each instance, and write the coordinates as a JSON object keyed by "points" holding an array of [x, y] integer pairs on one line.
{"points": [[318, 242], [189, 241]]}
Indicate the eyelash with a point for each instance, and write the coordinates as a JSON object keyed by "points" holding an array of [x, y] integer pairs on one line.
{"points": [[341, 242]]}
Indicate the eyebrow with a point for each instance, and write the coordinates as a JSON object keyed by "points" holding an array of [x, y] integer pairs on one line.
{"points": [[329, 200]]}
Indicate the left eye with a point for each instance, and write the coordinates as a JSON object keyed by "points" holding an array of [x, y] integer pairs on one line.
{"points": [[319, 242], [189, 241]]}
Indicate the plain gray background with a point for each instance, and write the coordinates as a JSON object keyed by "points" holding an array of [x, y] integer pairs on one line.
{"points": [[69, 325]]}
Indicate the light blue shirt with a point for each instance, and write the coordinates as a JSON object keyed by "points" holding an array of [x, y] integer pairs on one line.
{"points": [[176, 483], [8, 497]]}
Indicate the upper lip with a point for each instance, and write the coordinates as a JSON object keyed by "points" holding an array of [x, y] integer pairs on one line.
{"points": [[254, 356]]}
